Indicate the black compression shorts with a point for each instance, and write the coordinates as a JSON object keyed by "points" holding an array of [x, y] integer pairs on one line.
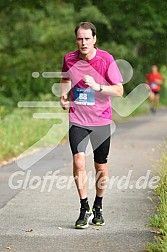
{"points": [[156, 92], [99, 137]]}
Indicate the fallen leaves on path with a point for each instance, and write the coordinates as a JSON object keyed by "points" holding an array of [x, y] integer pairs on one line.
{"points": [[156, 231], [9, 247], [28, 230]]}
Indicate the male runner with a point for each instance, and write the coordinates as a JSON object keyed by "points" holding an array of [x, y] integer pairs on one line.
{"points": [[91, 76], [154, 80]]}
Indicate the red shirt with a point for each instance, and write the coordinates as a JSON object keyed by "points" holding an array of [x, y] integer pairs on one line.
{"points": [[152, 78]]}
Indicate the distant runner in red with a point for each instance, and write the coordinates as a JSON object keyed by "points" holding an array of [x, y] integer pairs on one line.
{"points": [[154, 80]]}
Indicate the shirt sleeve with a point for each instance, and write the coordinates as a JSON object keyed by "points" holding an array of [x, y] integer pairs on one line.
{"points": [[65, 69], [113, 75]]}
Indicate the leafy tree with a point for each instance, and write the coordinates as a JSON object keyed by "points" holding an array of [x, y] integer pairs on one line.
{"points": [[35, 35], [33, 39]]}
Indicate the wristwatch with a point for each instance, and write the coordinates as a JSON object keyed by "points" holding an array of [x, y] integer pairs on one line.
{"points": [[101, 88]]}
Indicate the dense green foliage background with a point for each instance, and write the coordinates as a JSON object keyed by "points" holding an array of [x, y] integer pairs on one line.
{"points": [[35, 35]]}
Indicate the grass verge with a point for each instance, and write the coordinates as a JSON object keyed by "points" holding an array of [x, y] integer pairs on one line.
{"points": [[159, 220], [20, 130]]}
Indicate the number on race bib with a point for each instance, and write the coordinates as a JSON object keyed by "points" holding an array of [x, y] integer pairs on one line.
{"points": [[83, 96]]}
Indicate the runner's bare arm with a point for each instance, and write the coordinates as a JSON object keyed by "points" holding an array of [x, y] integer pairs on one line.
{"points": [[112, 90], [65, 89], [159, 81]]}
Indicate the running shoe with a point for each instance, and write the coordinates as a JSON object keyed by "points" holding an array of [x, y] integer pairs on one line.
{"points": [[84, 217], [98, 219]]}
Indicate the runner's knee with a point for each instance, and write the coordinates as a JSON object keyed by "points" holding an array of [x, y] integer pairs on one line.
{"points": [[79, 161]]}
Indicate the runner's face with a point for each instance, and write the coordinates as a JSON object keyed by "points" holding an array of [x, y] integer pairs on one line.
{"points": [[85, 41], [154, 69]]}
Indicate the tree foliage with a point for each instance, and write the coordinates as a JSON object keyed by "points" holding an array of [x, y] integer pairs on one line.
{"points": [[35, 35]]}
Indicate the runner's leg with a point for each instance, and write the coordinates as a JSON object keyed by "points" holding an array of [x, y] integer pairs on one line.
{"points": [[78, 141], [156, 100], [79, 138], [100, 140]]}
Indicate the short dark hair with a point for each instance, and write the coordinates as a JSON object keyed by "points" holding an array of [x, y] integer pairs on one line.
{"points": [[86, 25]]}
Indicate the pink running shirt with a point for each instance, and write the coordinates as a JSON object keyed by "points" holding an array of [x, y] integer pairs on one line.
{"points": [[89, 107]]}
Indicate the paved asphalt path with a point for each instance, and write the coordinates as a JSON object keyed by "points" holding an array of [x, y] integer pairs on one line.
{"points": [[31, 220]]}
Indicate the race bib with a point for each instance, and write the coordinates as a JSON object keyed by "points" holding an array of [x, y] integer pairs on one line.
{"points": [[84, 96], [153, 85]]}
